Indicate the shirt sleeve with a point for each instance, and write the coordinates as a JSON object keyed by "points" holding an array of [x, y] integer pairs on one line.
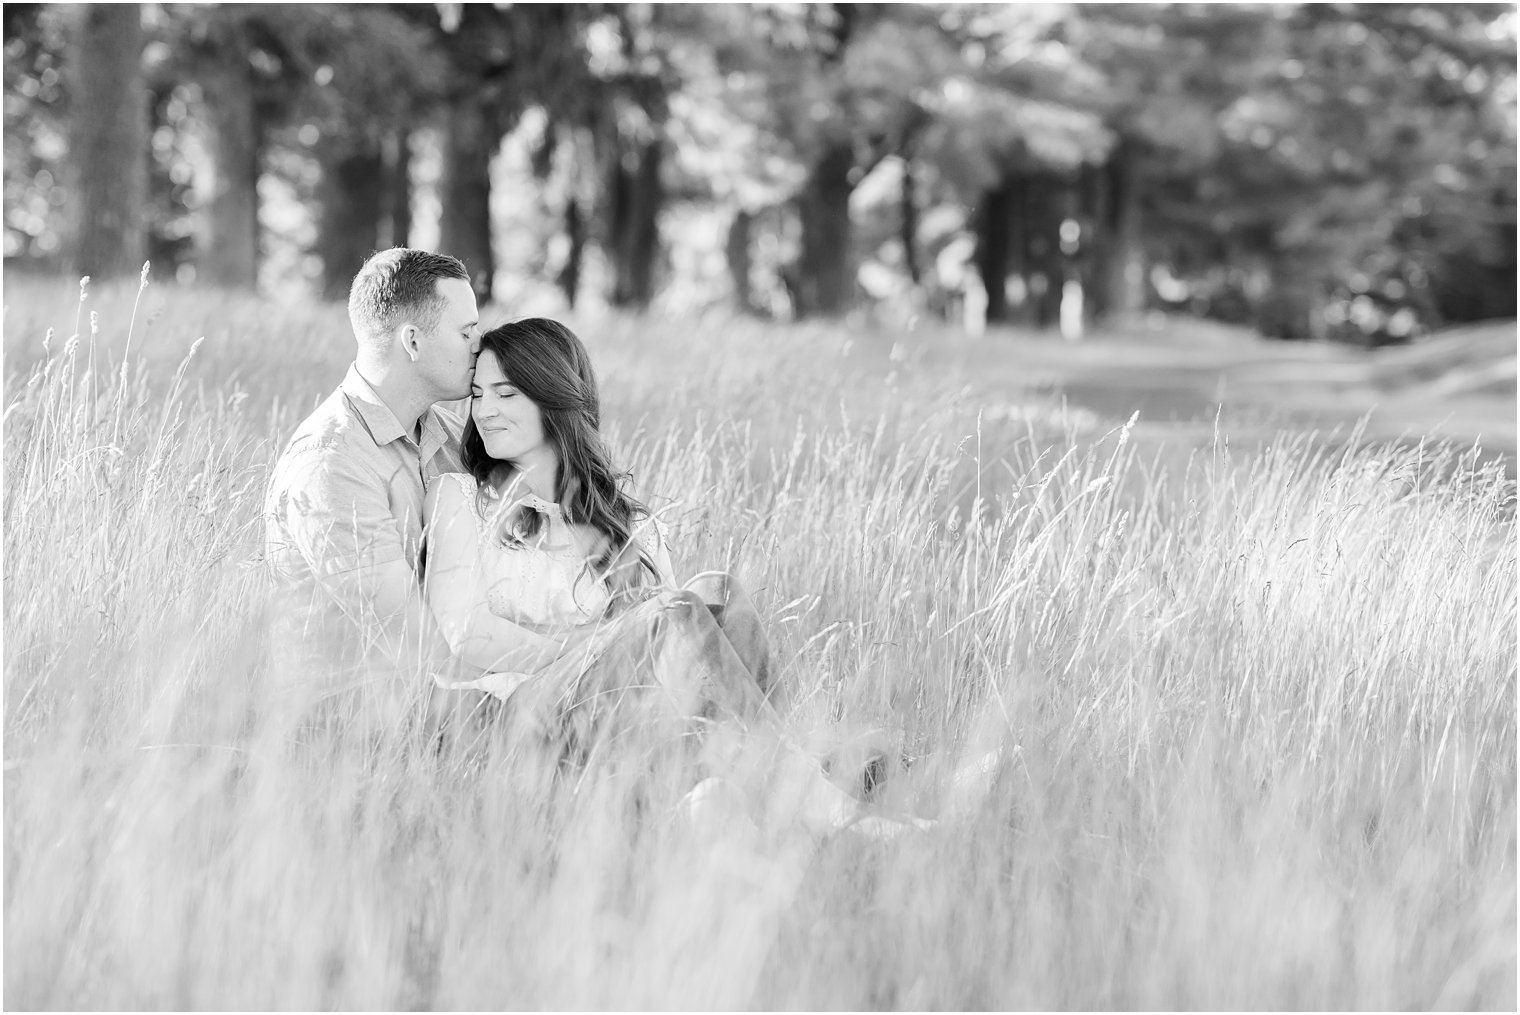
{"points": [[652, 534], [334, 516]]}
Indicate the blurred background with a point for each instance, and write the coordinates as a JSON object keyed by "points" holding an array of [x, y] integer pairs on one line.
{"points": [[1317, 171]]}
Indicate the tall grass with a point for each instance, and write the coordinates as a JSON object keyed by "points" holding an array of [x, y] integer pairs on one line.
{"points": [[1258, 709]]}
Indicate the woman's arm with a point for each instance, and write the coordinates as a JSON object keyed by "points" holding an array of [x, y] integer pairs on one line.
{"points": [[456, 594], [659, 551], [649, 538], [626, 576]]}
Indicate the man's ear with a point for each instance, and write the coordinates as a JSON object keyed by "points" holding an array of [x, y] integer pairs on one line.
{"points": [[410, 337]]}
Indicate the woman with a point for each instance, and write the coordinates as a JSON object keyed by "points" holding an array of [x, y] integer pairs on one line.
{"points": [[541, 532]]}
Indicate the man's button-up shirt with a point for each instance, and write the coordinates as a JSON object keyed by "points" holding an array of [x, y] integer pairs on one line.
{"points": [[347, 493]]}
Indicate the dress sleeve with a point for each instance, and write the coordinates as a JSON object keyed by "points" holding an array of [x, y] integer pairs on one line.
{"points": [[653, 534]]}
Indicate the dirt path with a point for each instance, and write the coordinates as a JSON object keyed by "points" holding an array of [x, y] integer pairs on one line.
{"points": [[1182, 376]]}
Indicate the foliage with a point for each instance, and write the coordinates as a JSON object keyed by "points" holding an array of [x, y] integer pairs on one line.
{"points": [[35, 108], [1323, 169], [1345, 148]]}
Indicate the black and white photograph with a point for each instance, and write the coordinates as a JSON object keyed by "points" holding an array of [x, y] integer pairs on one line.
{"points": [[760, 507]]}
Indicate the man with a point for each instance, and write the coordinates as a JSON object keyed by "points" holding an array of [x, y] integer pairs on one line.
{"points": [[343, 515]]}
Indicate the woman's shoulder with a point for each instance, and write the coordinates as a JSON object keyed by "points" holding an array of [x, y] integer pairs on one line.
{"points": [[451, 483], [449, 492]]}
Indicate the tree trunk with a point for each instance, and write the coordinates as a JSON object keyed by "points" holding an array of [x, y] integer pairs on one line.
{"points": [[993, 246], [465, 191], [1097, 210], [736, 252], [108, 142], [230, 245], [637, 197], [1043, 272], [825, 277], [1121, 259], [1071, 298], [351, 193], [1019, 229], [1292, 308], [396, 225], [569, 278], [910, 222]]}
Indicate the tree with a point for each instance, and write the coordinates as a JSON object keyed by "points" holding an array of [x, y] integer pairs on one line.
{"points": [[501, 60], [36, 41], [476, 111], [1012, 132], [372, 69], [843, 88], [635, 80], [231, 240], [1404, 143], [226, 53], [818, 101], [1159, 77], [719, 152], [1283, 159], [271, 85], [108, 141]]}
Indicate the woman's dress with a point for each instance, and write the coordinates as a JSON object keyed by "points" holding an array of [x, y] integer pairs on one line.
{"points": [[664, 656]]}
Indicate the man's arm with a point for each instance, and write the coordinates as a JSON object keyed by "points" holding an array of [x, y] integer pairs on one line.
{"points": [[337, 517], [333, 514]]}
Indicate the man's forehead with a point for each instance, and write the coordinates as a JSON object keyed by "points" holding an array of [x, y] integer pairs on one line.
{"points": [[457, 293]]}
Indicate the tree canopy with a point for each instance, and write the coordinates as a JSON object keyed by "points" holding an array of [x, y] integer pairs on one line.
{"points": [[1319, 170]]}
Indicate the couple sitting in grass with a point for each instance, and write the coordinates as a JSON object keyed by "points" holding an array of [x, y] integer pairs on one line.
{"points": [[508, 553]]}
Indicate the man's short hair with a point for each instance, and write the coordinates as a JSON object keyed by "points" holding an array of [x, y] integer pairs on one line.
{"points": [[396, 285]]}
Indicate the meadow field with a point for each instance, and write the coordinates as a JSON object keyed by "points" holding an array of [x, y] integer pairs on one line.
{"points": [[1254, 684]]}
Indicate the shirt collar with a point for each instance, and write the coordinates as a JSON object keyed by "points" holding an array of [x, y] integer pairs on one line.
{"points": [[383, 425], [435, 434], [544, 507]]}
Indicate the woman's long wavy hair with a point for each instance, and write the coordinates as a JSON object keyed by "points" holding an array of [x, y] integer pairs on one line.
{"points": [[547, 364]]}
